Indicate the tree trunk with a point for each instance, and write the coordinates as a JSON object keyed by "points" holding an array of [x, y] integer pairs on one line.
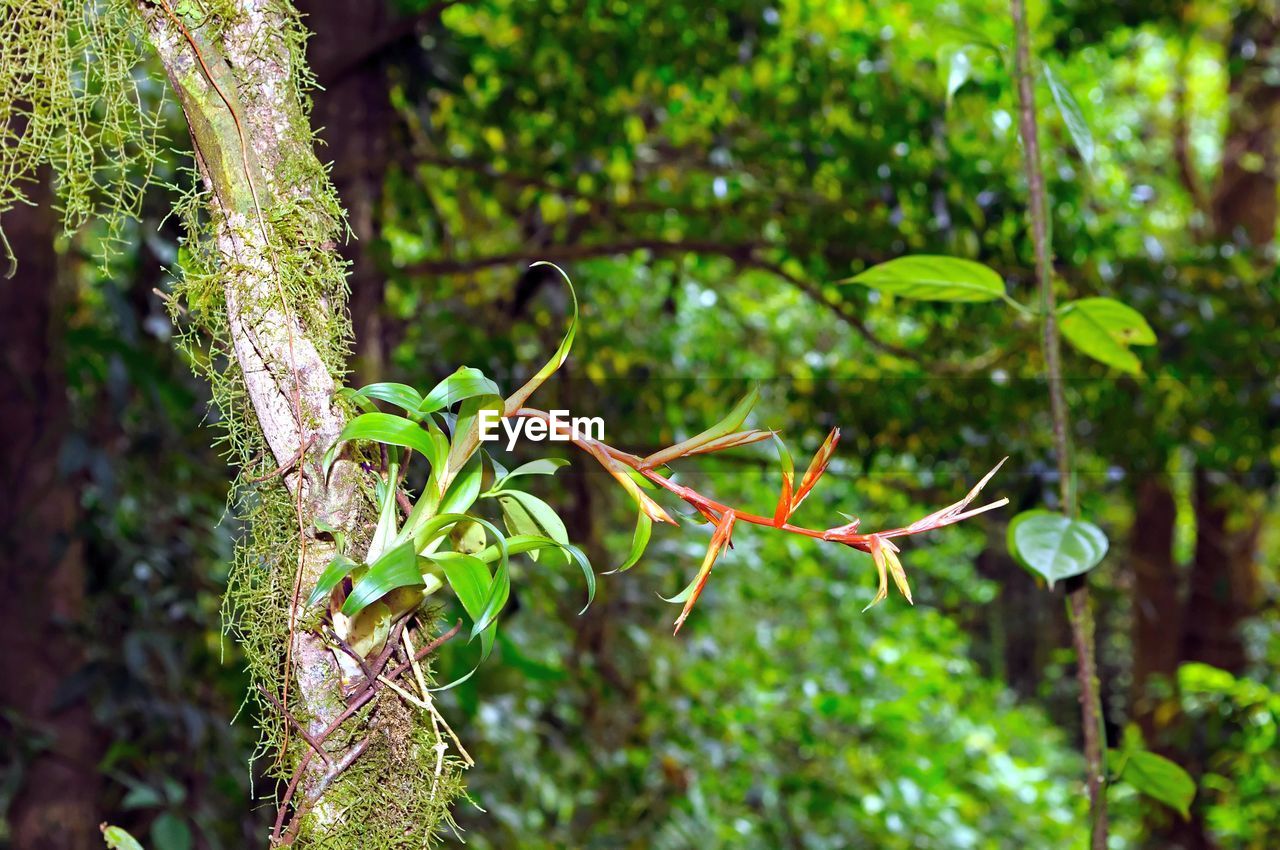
{"points": [[1245, 199], [354, 113], [1157, 616], [43, 600], [1224, 584], [239, 89]]}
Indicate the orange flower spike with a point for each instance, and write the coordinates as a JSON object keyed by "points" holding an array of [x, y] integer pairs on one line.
{"points": [[719, 540], [877, 555], [783, 511], [896, 570], [817, 466], [885, 555]]}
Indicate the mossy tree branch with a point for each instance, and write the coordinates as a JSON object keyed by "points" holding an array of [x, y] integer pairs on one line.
{"points": [[239, 84]]}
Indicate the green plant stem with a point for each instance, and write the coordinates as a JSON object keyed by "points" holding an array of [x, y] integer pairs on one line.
{"points": [[1078, 609]]}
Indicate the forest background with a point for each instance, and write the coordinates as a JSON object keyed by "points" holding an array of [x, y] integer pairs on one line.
{"points": [[705, 172]]}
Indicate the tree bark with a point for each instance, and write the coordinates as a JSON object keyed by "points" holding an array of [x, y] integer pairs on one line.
{"points": [[1245, 198], [42, 605], [1157, 614], [239, 90], [353, 112], [1224, 585]]}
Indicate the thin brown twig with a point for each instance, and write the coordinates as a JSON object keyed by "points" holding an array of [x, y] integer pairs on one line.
{"points": [[287, 465], [322, 784], [302, 730], [1080, 614], [358, 702]]}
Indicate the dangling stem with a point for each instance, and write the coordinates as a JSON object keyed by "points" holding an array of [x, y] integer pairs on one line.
{"points": [[1078, 610]]}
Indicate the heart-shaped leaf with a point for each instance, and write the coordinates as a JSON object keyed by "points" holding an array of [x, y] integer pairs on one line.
{"points": [[928, 277], [1055, 546]]}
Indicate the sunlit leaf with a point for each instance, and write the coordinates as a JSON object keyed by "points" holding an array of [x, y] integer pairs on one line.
{"points": [[388, 513], [1104, 328], [639, 541], [527, 514], [542, 466], [402, 396], [1155, 776], [469, 577], [928, 277], [463, 384], [1055, 546], [385, 428], [463, 443], [465, 489], [117, 839]]}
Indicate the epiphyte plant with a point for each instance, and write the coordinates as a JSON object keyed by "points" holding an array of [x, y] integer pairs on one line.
{"points": [[444, 539]]}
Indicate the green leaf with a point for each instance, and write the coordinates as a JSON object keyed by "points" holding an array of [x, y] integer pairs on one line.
{"points": [[1104, 328], [542, 466], [466, 423], [170, 832], [117, 839], [402, 396], [385, 428], [528, 543], [1159, 778], [639, 541], [525, 513], [517, 399], [338, 569], [727, 425], [397, 567], [1077, 127], [928, 277], [1054, 546], [469, 577], [465, 488], [388, 514], [463, 384]]}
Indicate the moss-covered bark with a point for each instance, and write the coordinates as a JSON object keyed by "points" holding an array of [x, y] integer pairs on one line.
{"points": [[263, 281]]}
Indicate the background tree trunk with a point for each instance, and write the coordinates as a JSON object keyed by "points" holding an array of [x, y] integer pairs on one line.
{"points": [[44, 576], [1157, 613]]}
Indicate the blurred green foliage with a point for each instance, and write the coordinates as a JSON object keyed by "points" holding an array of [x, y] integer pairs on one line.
{"points": [[706, 171]]}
